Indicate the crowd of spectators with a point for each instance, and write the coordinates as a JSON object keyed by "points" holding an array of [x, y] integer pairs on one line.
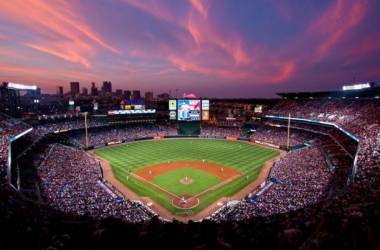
{"points": [[69, 180], [106, 134], [279, 135], [302, 178], [231, 123], [358, 117], [306, 177], [345, 141], [9, 128], [28, 226], [220, 131], [341, 164], [291, 214], [339, 112], [73, 123]]}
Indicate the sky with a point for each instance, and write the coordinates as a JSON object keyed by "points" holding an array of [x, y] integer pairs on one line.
{"points": [[211, 48]]}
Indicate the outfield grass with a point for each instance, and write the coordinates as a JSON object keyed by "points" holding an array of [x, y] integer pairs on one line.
{"points": [[244, 157]]}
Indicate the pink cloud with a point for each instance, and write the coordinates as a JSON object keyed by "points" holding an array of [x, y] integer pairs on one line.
{"points": [[206, 34], [336, 23], [39, 15], [365, 48], [288, 69], [152, 7], [194, 29], [29, 71], [185, 66], [70, 55], [164, 72], [22, 69], [64, 33], [198, 5], [7, 53], [239, 54], [234, 75]]}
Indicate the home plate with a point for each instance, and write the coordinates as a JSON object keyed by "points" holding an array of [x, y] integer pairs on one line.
{"points": [[149, 204], [219, 204]]}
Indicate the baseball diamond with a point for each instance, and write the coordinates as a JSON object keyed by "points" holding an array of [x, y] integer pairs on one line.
{"points": [[186, 174]]}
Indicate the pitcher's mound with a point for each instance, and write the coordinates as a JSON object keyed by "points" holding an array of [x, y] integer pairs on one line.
{"points": [[186, 181]]}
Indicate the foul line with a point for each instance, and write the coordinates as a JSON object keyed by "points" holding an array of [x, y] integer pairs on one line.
{"points": [[225, 182], [219, 185], [158, 187]]}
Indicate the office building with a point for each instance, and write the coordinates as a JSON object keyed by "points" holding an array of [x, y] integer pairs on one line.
{"points": [[59, 90], [94, 90], [127, 94], [119, 92], [74, 88], [136, 95], [107, 87], [148, 96]]}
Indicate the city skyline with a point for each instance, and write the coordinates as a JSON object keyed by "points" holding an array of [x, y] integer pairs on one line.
{"points": [[216, 49]]}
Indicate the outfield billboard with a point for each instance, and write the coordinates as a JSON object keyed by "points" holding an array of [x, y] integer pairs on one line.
{"points": [[172, 104]]}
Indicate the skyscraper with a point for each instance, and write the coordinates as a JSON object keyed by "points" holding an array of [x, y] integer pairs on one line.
{"points": [[136, 94], [148, 96], [59, 90], [163, 96], [119, 92], [94, 90], [74, 88], [127, 94], [84, 91], [107, 87]]}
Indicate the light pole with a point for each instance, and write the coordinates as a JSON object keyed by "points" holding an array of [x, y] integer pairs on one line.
{"points": [[36, 105]]}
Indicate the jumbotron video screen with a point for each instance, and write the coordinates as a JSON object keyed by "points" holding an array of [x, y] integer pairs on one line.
{"points": [[189, 110]]}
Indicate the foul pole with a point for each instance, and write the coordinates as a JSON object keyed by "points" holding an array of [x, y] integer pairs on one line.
{"points": [[287, 141], [85, 125]]}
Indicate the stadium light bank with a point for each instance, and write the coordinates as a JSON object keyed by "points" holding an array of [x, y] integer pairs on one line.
{"points": [[19, 86], [357, 86]]}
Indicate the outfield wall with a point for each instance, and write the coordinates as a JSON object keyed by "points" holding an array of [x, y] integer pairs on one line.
{"points": [[166, 137]]}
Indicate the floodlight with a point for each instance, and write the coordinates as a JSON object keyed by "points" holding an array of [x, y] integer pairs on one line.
{"points": [[12, 85]]}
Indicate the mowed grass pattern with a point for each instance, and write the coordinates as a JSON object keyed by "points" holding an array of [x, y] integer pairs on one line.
{"points": [[241, 156], [202, 181]]}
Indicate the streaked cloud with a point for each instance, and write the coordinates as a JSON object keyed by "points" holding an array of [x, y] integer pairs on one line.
{"points": [[200, 6], [248, 45], [337, 22]]}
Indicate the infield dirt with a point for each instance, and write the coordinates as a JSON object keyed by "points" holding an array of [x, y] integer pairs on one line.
{"points": [[224, 173]]}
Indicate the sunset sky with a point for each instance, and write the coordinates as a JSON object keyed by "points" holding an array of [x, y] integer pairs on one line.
{"points": [[212, 48]]}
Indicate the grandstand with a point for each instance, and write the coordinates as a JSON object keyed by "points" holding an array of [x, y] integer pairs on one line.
{"points": [[327, 184]]}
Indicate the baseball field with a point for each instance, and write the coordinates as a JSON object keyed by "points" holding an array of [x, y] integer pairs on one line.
{"points": [[186, 174]]}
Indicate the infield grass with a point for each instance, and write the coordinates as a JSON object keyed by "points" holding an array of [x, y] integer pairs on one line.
{"points": [[171, 181], [241, 156]]}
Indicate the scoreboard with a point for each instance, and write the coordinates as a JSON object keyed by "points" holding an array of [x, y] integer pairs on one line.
{"points": [[187, 110], [132, 104]]}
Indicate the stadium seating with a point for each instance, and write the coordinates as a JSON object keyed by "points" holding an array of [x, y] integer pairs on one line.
{"points": [[309, 204]]}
